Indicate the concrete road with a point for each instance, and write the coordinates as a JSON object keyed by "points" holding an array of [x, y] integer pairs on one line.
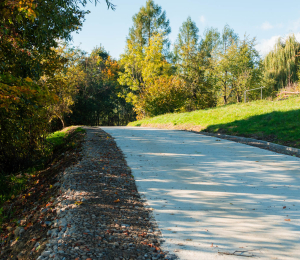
{"points": [[213, 198]]}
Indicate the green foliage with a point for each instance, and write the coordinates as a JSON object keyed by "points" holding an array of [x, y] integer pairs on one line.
{"points": [[163, 95], [56, 138], [97, 101], [12, 185], [142, 66], [29, 33], [23, 122], [186, 46], [236, 66], [193, 66], [65, 82], [145, 52], [281, 64], [148, 22]]}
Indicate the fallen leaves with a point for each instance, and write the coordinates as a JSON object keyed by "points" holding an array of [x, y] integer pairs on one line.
{"points": [[143, 234], [116, 201]]}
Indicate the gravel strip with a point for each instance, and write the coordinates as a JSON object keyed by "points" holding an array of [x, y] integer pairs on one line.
{"points": [[100, 214]]}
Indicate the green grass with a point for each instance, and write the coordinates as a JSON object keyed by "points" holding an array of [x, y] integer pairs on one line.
{"points": [[276, 121], [58, 138]]}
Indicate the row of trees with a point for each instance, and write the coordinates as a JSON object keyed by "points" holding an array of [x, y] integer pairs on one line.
{"points": [[199, 72], [36, 78], [97, 100], [46, 84]]}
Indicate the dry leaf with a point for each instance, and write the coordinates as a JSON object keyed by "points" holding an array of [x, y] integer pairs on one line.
{"points": [[116, 201]]}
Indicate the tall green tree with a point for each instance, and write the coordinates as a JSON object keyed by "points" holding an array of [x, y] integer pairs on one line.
{"points": [[210, 41], [186, 46], [193, 63], [228, 38], [237, 69], [245, 67], [142, 68], [149, 21]]}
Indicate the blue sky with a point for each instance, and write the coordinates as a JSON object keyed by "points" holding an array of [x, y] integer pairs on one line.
{"points": [[265, 20]]}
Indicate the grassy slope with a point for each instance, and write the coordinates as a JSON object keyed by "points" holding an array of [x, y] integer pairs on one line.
{"points": [[12, 185], [276, 121]]}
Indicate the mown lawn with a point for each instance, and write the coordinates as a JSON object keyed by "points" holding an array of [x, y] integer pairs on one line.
{"points": [[276, 121]]}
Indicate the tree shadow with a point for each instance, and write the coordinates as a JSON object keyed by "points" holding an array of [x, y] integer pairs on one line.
{"points": [[216, 197]]}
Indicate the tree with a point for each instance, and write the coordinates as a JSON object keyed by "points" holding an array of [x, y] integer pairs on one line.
{"points": [[281, 64], [97, 101], [164, 94], [29, 31], [149, 21], [141, 68], [186, 46], [193, 65], [222, 62], [244, 67], [65, 82], [237, 68]]}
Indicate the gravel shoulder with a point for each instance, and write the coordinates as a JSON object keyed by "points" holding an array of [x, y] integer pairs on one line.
{"points": [[100, 214], [87, 207]]}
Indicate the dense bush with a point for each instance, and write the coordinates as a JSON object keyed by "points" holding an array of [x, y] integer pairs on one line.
{"points": [[163, 95]]}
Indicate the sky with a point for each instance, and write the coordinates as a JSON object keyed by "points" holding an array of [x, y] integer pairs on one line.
{"points": [[265, 20]]}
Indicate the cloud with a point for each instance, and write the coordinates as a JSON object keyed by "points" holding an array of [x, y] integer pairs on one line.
{"points": [[202, 19], [267, 45], [267, 26], [295, 25]]}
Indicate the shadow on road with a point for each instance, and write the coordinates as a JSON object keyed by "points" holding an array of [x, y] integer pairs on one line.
{"points": [[214, 197]]}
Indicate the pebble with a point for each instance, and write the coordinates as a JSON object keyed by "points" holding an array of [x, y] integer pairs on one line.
{"points": [[97, 215]]}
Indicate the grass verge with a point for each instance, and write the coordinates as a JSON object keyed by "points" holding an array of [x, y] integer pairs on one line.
{"points": [[274, 121]]}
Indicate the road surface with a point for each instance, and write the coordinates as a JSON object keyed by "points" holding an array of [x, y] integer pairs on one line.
{"points": [[214, 198]]}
